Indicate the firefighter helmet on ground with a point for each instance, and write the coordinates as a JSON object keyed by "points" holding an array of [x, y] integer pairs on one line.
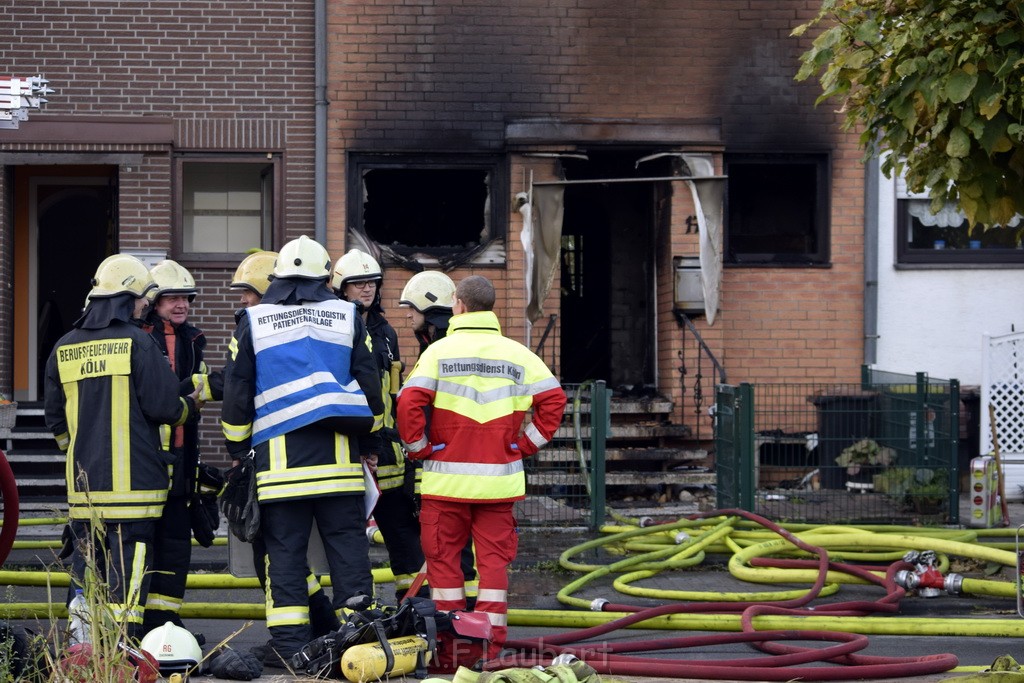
{"points": [[355, 266], [121, 274], [303, 258], [254, 272], [172, 278], [428, 290], [174, 648]]}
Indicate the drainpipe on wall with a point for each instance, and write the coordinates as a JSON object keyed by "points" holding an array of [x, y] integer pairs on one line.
{"points": [[871, 190], [320, 149]]}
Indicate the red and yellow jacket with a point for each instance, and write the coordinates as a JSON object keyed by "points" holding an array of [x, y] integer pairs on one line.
{"points": [[474, 387]]}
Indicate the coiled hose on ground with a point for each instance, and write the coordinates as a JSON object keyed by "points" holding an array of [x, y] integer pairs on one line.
{"points": [[823, 558]]}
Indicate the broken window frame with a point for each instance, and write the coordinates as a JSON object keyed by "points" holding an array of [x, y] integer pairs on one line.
{"points": [[489, 251], [820, 255]]}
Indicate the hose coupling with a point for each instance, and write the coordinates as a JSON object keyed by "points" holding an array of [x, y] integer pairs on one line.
{"points": [[682, 537], [370, 531], [597, 605], [564, 658], [925, 578], [645, 522]]}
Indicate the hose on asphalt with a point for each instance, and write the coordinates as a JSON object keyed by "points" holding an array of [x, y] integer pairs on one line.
{"points": [[761, 552]]}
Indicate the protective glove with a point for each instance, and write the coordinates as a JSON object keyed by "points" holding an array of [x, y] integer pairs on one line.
{"points": [[209, 480], [235, 493], [203, 518], [67, 540], [234, 665]]}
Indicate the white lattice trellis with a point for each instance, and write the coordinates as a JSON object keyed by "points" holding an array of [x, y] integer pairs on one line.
{"points": [[1003, 387]]}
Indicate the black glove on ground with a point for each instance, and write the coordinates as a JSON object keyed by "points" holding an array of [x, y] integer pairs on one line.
{"points": [[234, 665]]}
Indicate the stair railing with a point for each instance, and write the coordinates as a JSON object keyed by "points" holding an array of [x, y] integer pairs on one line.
{"points": [[704, 354], [544, 338]]}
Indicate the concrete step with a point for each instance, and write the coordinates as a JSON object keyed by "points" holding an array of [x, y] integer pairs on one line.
{"points": [[559, 455], [670, 478], [635, 430]]}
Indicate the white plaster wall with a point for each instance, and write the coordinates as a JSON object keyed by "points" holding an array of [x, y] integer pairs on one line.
{"points": [[932, 320]]}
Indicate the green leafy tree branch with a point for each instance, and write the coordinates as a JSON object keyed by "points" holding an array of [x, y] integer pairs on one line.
{"points": [[940, 85]]}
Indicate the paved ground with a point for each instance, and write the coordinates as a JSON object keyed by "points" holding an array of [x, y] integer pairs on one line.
{"points": [[536, 579]]}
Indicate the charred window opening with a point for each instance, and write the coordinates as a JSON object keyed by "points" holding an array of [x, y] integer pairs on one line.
{"points": [[422, 214], [777, 209]]}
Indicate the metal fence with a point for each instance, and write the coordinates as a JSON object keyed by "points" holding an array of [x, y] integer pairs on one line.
{"points": [[565, 480], [883, 450]]}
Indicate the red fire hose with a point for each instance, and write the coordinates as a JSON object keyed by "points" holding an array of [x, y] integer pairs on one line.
{"points": [[9, 496], [784, 661]]}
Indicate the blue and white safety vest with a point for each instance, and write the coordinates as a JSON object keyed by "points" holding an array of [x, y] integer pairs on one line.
{"points": [[303, 359]]}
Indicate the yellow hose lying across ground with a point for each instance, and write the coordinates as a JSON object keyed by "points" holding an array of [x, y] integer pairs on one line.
{"points": [[571, 619], [198, 581]]}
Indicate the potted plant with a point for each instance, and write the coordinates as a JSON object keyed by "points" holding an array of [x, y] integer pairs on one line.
{"points": [[864, 458]]}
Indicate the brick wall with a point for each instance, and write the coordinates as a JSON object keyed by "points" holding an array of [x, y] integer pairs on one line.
{"points": [[231, 75], [443, 76]]}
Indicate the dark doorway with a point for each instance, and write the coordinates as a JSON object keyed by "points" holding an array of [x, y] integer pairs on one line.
{"points": [[607, 271], [75, 220]]}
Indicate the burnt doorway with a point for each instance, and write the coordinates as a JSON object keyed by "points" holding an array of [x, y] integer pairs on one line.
{"points": [[607, 271], [68, 228]]}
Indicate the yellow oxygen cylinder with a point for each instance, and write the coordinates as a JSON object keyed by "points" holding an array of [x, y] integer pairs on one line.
{"points": [[367, 662]]}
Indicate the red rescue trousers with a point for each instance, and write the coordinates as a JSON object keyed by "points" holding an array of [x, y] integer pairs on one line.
{"points": [[445, 527]]}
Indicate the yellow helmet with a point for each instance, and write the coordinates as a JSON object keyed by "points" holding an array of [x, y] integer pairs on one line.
{"points": [[303, 258], [427, 290], [254, 272], [355, 266], [121, 274], [172, 278]]}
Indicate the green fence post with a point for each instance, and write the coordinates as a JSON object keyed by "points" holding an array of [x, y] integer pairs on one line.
{"points": [[954, 451], [745, 446], [920, 426], [600, 417]]}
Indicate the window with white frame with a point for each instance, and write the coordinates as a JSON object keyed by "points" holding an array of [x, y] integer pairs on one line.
{"points": [[224, 206], [927, 237]]}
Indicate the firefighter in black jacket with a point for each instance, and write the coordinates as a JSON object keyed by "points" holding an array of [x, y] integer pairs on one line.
{"points": [[252, 277], [357, 278], [301, 386], [182, 345], [108, 388]]}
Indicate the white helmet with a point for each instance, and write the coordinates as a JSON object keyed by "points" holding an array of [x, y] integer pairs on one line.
{"points": [[174, 648], [303, 258], [121, 274], [355, 266], [428, 290], [172, 278]]}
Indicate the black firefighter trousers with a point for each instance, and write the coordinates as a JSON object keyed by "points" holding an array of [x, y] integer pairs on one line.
{"points": [[286, 527]]}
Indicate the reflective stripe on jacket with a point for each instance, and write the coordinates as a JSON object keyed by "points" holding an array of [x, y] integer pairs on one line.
{"points": [[315, 453], [303, 360], [106, 393], [391, 460], [478, 385]]}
